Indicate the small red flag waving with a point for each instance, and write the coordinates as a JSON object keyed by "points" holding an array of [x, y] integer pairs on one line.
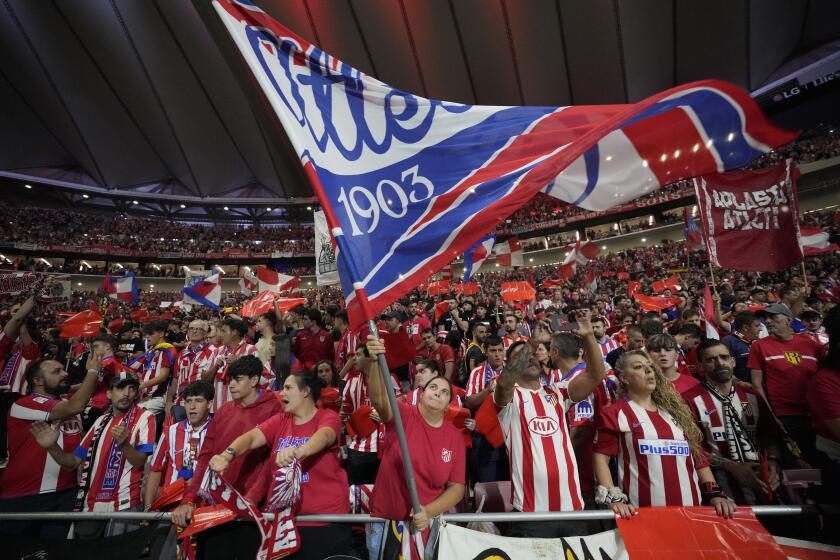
{"points": [[517, 291], [86, 323]]}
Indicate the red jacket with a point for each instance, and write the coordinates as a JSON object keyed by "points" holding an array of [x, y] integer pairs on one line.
{"points": [[231, 421]]}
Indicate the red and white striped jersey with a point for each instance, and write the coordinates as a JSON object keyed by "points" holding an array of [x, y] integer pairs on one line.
{"points": [[176, 454], [346, 348], [542, 461], [655, 465], [115, 485], [480, 377], [607, 345], [221, 381], [149, 366], [186, 370], [751, 409], [13, 373], [356, 395], [507, 340], [31, 470]]}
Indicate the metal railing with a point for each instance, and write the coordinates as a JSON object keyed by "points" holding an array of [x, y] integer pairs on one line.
{"points": [[364, 518]]}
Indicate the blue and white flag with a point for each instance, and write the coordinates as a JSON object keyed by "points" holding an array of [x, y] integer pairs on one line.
{"points": [[475, 256], [409, 183], [207, 292]]}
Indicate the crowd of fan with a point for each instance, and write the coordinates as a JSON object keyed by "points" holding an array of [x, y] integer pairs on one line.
{"points": [[598, 354], [60, 227]]}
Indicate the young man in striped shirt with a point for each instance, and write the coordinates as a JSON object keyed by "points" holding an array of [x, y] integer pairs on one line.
{"points": [[544, 469], [113, 456], [605, 342]]}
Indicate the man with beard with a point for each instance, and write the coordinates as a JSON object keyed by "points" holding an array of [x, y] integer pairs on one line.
{"points": [[739, 431], [32, 481], [112, 456], [781, 366]]}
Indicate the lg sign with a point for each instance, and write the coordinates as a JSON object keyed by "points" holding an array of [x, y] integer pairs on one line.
{"points": [[543, 426]]}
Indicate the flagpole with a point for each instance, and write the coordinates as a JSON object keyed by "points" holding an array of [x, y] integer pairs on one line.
{"points": [[395, 410], [712, 273], [804, 274]]}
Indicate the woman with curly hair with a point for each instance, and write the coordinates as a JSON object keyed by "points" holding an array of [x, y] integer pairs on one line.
{"points": [[652, 432]]}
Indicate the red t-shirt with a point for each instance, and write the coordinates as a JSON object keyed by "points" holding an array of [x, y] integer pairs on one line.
{"points": [[31, 471], [824, 400], [437, 455], [443, 354], [788, 367], [684, 382], [310, 348], [323, 485]]}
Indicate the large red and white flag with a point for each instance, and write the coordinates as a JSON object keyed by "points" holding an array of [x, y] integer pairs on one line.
{"points": [[751, 218], [273, 281], [248, 283], [408, 183], [509, 253], [815, 240], [581, 252]]}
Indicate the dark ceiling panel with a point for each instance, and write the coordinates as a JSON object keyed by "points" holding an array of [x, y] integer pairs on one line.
{"points": [[122, 158], [712, 40], [384, 27], [206, 146], [31, 144], [23, 66], [439, 50], [221, 87], [775, 27], [593, 49], [539, 48], [338, 32], [489, 52], [822, 22], [647, 36]]}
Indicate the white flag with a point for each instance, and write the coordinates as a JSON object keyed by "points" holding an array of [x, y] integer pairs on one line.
{"points": [[326, 269]]}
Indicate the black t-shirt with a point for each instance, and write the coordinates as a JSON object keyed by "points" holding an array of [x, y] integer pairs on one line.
{"points": [[130, 347]]}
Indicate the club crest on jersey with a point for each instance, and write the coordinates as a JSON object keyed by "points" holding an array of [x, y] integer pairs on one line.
{"points": [[793, 357], [670, 447], [543, 426], [584, 411], [446, 455]]}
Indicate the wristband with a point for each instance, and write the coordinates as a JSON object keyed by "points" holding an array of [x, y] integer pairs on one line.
{"points": [[232, 452], [710, 491], [96, 371]]}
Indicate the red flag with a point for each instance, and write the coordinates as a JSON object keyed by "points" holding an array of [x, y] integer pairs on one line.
{"points": [[671, 283], [468, 289], [653, 303], [550, 283], [170, 496], [622, 275], [696, 532], [140, 315], [487, 422], [441, 287], [115, 325], [399, 350], [86, 323], [566, 270], [633, 287], [440, 309], [261, 303], [750, 218], [517, 291]]}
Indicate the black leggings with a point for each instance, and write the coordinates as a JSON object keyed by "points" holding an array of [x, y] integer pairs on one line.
{"points": [[235, 540]]}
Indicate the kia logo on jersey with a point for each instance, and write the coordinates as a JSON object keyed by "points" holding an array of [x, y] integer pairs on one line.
{"points": [[664, 447], [543, 426], [71, 426]]}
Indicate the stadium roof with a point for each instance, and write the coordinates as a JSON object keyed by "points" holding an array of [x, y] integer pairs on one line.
{"points": [[129, 99]]}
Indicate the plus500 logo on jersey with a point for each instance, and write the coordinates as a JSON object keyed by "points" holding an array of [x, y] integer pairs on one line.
{"points": [[674, 447], [543, 426]]}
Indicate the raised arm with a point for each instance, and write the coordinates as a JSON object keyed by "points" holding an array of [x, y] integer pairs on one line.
{"points": [[584, 384], [12, 327], [252, 439], [376, 386]]}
